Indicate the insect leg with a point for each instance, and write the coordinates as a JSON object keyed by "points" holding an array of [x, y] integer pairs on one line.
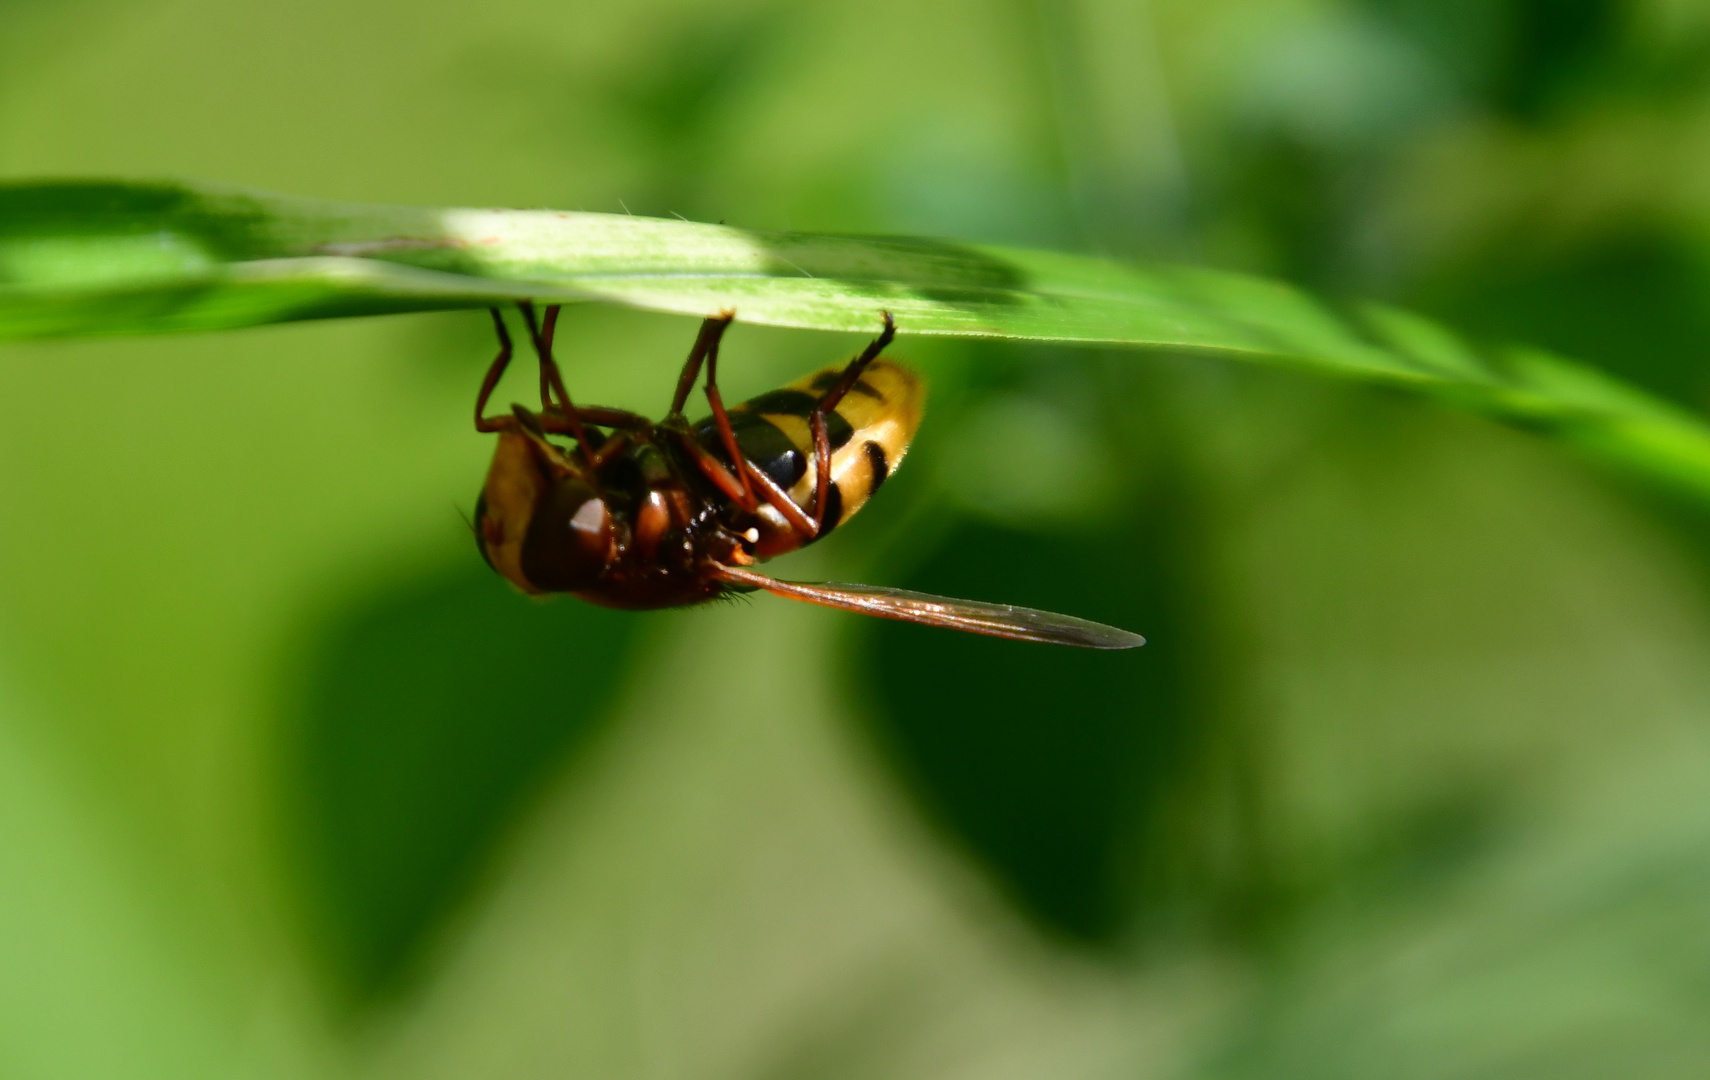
{"points": [[548, 329], [852, 373], [816, 420], [781, 501], [726, 433], [717, 473], [559, 423], [610, 447], [707, 340], [549, 370], [821, 468], [625, 424], [530, 425], [488, 384]]}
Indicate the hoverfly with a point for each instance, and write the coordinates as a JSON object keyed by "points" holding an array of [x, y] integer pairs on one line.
{"points": [[637, 514]]}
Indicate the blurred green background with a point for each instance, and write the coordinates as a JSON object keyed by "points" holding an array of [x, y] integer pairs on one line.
{"points": [[1412, 780]]}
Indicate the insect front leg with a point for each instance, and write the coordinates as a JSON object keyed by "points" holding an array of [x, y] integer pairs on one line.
{"points": [[626, 426], [494, 373], [550, 375], [534, 428], [549, 366]]}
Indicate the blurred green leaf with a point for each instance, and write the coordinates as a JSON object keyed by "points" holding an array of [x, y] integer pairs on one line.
{"points": [[113, 257], [1049, 766], [429, 716], [82, 948]]}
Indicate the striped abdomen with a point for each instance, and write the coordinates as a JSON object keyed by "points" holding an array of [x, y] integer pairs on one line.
{"points": [[869, 432]]}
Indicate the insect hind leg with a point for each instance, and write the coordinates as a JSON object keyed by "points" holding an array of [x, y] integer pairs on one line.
{"points": [[829, 401]]}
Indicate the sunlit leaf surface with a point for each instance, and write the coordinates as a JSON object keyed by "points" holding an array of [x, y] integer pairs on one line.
{"points": [[102, 257]]}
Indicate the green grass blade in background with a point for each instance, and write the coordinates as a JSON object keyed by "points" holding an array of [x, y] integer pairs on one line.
{"points": [[105, 257]]}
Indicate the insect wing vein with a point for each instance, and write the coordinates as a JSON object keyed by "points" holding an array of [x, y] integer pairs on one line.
{"points": [[995, 620]]}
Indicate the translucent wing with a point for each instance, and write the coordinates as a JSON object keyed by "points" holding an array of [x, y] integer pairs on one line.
{"points": [[995, 620]]}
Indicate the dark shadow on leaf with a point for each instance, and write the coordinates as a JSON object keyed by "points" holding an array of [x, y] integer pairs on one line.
{"points": [[429, 714], [229, 227], [925, 266]]}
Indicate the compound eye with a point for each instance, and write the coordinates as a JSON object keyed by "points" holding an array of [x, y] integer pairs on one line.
{"points": [[592, 524], [568, 540]]}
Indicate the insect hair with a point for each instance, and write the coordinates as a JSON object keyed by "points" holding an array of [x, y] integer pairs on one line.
{"points": [[729, 596]]}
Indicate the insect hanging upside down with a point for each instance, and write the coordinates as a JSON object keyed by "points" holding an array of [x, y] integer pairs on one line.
{"points": [[640, 515]]}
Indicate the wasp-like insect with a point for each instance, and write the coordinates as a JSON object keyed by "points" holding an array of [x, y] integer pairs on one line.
{"points": [[642, 515]]}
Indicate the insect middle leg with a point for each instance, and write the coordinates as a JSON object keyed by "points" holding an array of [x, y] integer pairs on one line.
{"points": [[712, 329], [751, 476], [721, 419], [706, 350], [750, 485], [713, 469], [625, 424], [816, 419], [555, 417]]}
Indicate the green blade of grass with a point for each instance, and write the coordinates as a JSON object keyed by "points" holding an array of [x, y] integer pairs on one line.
{"points": [[107, 257]]}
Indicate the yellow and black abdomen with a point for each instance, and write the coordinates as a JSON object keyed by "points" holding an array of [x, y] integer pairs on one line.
{"points": [[869, 431]]}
